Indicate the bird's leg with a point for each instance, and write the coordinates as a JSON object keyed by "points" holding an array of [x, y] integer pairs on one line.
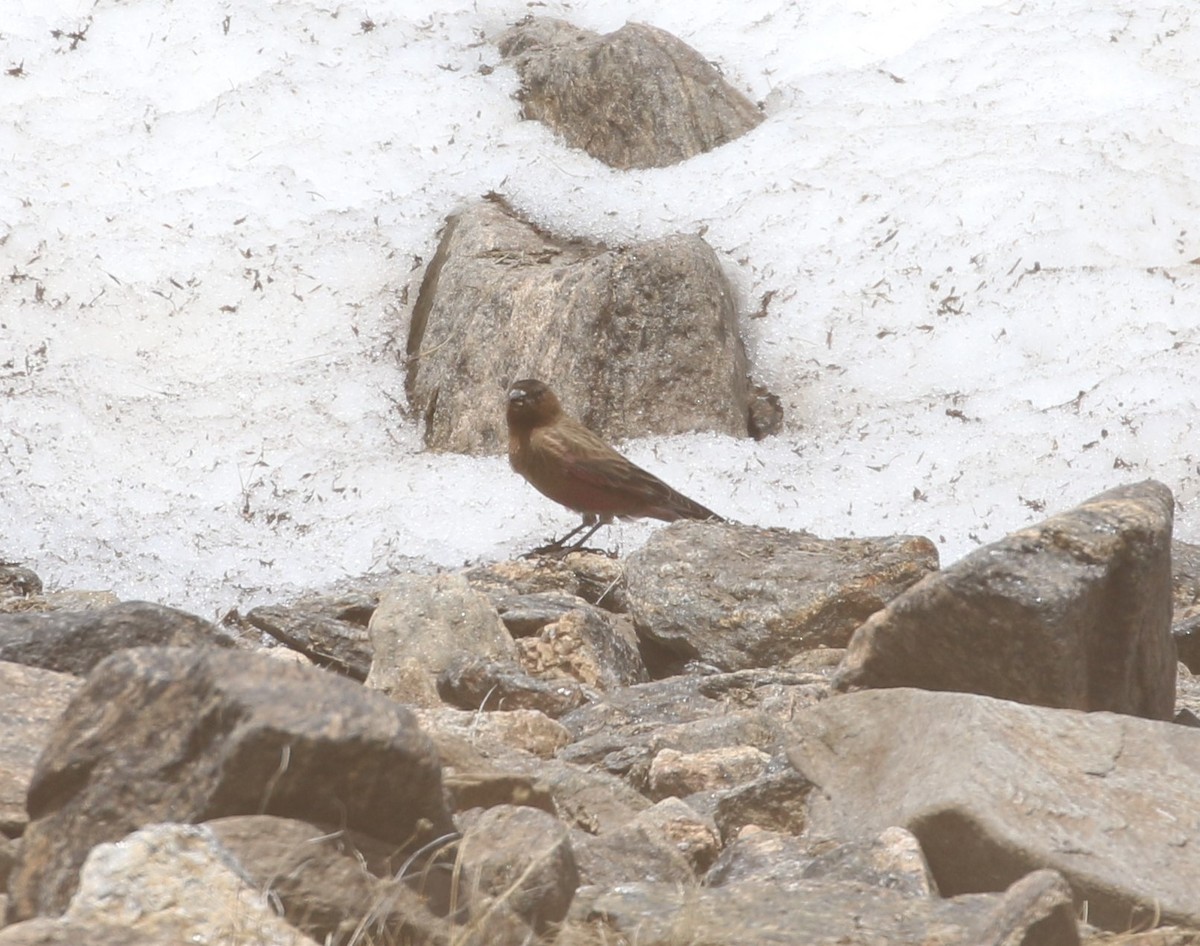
{"points": [[587, 535], [591, 522]]}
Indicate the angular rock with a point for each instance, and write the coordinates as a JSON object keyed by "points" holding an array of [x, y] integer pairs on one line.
{"points": [[1036, 911], [587, 645], [636, 98], [1073, 612], [476, 683], [993, 789], [324, 882], [525, 615], [17, 583], [1185, 629], [594, 802], [165, 884], [664, 353], [423, 624], [1185, 574], [775, 802], [674, 773], [75, 641], [189, 735], [739, 596], [494, 733], [634, 853], [893, 860], [521, 858], [331, 631], [624, 730], [1186, 596], [693, 835], [488, 789], [43, 932], [31, 702]]}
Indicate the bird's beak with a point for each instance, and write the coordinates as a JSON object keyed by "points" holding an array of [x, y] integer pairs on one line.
{"points": [[516, 394]]}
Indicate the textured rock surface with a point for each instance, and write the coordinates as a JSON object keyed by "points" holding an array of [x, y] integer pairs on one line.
{"points": [[332, 884], [739, 596], [1037, 910], [893, 860], [31, 702], [423, 624], [75, 641], [502, 300], [521, 858], [994, 789], [587, 645], [165, 884], [187, 735], [635, 98], [331, 631], [475, 683], [1073, 612]]}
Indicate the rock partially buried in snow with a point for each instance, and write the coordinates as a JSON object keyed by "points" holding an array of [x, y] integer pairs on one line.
{"points": [[638, 340], [737, 596], [635, 98], [1073, 612], [994, 789]]}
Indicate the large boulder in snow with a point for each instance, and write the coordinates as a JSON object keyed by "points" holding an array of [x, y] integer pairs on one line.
{"points": [[635, 98], [635, 341]]}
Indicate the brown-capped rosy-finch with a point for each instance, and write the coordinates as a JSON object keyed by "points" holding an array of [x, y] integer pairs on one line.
{"points": [[570, 464]]}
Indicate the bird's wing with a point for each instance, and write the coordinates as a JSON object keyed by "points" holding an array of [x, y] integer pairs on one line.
{"points": [[604, 481]]}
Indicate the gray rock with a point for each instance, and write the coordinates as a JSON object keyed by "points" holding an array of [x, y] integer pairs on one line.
{"points": [[740, 596], [675, 773], [595, 802], [519, 858], [1073, 612], [1036, 911], [593, 647], [1185, 621], [893, 860], [525, 615], [692, 834], [476, 683], [164, 884], [18, 583], [187, 735], [589, 576], [423, 624], [330, 631], [635, 98], [488, 788], [1185, 629], [43, 932], [31, 702], [633, 853], [502, 300], [777, 801], [327, 885], [993, 789], [75, 641], [625, 729], [492, 734]]}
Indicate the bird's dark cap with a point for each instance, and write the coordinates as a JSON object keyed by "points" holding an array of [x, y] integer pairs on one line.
{"points": [[529, 387]]}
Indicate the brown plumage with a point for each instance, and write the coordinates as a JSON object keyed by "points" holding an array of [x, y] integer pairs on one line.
{"points": [[567, 462]]}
